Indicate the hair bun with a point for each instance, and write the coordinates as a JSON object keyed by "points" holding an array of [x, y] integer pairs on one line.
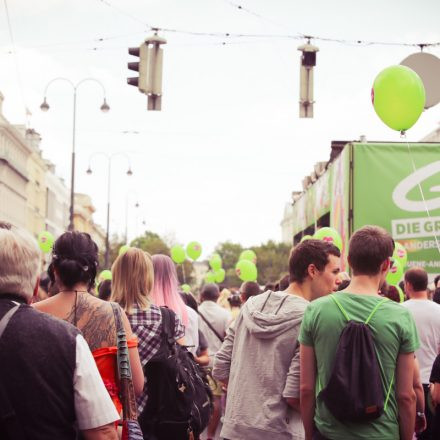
{"points": [[75, 258], [69, 271]]}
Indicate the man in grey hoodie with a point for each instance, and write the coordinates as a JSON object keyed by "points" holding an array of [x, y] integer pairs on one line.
{"points": [[259, 358]]}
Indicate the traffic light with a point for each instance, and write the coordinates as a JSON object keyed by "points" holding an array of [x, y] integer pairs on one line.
{"points": [[139, 66], [307, 63], [150, 70]]}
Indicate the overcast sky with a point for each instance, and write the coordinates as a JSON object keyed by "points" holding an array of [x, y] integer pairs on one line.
{"points": [[220, 160]]}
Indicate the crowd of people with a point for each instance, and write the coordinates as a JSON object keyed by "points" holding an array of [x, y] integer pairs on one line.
{"points": [[317, 355]]}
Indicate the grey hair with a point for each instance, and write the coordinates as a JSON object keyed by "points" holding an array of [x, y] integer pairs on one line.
{"points": [[20, 262]]}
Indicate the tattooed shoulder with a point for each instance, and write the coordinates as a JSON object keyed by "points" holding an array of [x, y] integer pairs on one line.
{"points": [[95, 320]]}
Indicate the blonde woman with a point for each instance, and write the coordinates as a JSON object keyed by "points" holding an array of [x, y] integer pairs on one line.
{"points": [[132, 283], [223, 299]]}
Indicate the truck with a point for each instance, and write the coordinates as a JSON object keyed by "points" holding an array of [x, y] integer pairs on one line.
{"points": [[392, 185]]}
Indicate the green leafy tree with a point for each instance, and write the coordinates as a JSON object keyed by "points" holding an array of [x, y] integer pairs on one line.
{"points": [[152, 243], [155, 244], [272, 261]]}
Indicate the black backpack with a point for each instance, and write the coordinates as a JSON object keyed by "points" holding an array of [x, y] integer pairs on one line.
{"points": [[179, 397], [354, 392]]}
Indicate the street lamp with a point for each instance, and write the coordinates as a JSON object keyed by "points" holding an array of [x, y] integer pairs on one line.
{"points": [[109, 158], [45, 107]]}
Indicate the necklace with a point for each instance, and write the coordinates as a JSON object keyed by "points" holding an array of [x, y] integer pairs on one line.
{"points": [[76, 302]]}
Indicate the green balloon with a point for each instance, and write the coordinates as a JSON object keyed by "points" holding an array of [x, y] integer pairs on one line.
{"points": [[330, 235], [210, 277], [395, 273], [220, 275], [400, 253], [398, 97], [305, 238], [123, 249], [105, 275], [246, 270], [178, 254], [215, 262], [45, 241], [194, 250], [185, 288], [249, 255]]}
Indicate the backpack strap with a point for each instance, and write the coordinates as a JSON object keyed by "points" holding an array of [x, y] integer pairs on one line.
{"points": [[333, 297], [211, 327], [388, 391], [5, 320], [9, 423], [375, 309], [168, 324], [387, 398]]}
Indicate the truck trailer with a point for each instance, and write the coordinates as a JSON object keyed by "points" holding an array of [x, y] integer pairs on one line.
{"points": [[393, 185]]}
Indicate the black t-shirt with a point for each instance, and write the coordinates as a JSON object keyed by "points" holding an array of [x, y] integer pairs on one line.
{"points": [[435, 373]]}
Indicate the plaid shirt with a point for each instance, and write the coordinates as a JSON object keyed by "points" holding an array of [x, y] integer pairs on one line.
{"points": [[147, 326]]}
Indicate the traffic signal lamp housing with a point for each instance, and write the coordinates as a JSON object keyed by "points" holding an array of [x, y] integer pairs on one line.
{"points": [[307, 63], [138, 66], [149, 67]]}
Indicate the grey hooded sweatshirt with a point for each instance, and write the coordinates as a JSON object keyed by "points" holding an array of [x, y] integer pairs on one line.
{"points": [[260, 358]]}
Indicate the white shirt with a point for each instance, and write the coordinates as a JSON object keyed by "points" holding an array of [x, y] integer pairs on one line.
{"points": [[220, 319], [192, 330], [93, 405], [426, 315]]}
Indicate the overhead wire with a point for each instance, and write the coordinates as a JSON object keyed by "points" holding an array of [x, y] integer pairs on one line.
{"points": [[255, 14], [17, 67], [297, 36], [226, 38], [127, 14]]}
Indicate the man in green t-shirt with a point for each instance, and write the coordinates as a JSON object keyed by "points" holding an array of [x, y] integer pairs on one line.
{"points": [[395, 339]]}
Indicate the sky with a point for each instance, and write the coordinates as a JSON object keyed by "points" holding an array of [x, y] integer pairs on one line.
{"points": [[220, 161]]}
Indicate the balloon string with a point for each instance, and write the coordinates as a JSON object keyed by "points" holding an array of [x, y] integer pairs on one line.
{"points": [[403, 136]]}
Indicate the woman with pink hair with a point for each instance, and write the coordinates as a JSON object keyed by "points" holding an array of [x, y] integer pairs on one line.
{"points": [[166, 293]]}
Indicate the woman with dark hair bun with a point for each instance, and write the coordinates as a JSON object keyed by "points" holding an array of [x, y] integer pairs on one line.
{"points": [[73, 268]]}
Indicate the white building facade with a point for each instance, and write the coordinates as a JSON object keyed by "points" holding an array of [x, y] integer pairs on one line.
{"points": [[57, 202], [14, 156]]}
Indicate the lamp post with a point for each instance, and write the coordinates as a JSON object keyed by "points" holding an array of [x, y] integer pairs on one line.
{"points": [[45, 107], [109, 158], [136, 205]]}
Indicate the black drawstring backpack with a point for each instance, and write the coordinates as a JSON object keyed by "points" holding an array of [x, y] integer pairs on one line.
{"points": [[354, 392]]}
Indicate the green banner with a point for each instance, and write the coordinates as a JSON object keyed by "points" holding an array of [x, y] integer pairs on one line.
{"points": [[388, 183], [313, 204], [340, 186]]}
